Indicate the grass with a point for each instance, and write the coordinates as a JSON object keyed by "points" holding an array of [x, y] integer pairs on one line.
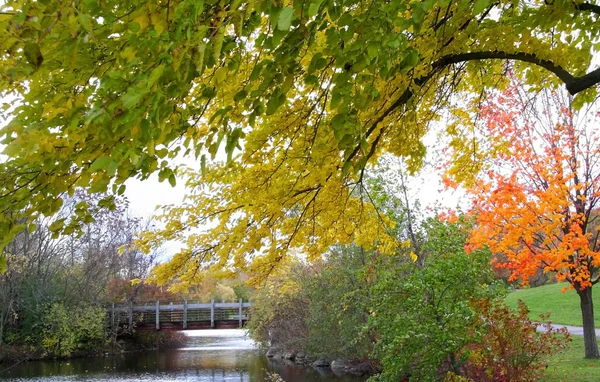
{"points": [[571, 366], [563, 307]]}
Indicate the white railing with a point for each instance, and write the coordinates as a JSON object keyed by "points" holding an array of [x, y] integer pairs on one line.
{"points": [[185, 307]]}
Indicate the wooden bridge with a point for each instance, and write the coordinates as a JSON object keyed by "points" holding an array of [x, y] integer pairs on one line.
{"points": [[180, 315]]}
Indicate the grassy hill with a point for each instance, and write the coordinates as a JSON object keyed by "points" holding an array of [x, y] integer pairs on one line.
{"points": [[563, 307]]}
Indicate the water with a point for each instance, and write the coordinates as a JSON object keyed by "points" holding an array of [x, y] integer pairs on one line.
{"points": [[209, 355]]}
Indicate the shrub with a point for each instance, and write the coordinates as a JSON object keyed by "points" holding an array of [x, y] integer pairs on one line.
{"points": [[511, 349], [338, 311], [279, 311], [425, 318], [65, 331]]}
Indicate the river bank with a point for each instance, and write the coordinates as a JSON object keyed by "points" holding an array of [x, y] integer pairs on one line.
{"points": [[340, 367], [134, 342]]}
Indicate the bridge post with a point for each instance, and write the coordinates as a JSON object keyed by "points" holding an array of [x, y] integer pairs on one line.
{"points": [[240, 312], [157, 315], [212, 313], [185, 314]]}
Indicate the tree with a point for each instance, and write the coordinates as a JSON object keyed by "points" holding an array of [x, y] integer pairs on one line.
{"points": [[536, 199], [423, 314], [50, 277], [308, 91]]}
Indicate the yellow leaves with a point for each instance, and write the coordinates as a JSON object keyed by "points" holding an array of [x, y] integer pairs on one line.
{"points": [[143, 20], [159, 22], [220, 75], [261, 214], [58, 106], [128, 53]]}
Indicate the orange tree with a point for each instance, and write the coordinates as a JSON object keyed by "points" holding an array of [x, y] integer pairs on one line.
{"points": [[537, 195]]}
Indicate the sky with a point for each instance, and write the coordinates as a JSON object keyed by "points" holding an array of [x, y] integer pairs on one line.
{"points": [[145, 196]]}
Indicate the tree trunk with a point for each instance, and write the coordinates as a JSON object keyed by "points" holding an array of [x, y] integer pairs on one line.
{"points": [[589, 331], [1, 329]]}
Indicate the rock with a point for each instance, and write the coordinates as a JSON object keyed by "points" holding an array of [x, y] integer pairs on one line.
{"points": [[274, 353], [338, 367], [360, 369], [301, 358], [321, 363], [338, 364], [290, 355]]}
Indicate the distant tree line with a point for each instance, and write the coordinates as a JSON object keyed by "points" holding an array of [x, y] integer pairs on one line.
{"points": [[53, 295]]}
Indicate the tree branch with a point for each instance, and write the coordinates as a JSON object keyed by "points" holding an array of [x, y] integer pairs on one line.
{"points": [[588, 7], [574, 84]]}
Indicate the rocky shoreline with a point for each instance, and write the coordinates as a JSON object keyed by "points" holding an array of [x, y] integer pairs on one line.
{"points": [[337, 366]]}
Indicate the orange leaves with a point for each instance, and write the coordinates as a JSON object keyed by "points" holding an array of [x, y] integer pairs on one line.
{"points": [[535, 200]]}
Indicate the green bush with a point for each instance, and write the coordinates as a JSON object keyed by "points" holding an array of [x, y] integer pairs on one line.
{"points": [[338, 299], [425, 320], [437, 318], [320, 309], [65, 331]]}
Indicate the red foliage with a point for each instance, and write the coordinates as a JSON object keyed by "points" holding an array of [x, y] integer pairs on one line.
{"points": [[120, 290], [511, 349]]}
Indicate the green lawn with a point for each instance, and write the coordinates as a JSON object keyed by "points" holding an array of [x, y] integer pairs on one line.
{"points": [[571, 366], [563, 307]]}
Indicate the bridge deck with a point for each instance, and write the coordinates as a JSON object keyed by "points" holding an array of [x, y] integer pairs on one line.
{"points": [[180, 315]]}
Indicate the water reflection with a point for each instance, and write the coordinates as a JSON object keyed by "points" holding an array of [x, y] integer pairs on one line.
{"points": [[209, 355]]}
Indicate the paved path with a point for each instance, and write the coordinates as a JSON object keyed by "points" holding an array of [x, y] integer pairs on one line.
{"points": [[574, 330]]}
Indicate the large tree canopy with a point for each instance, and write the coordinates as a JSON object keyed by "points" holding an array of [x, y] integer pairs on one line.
{"points": [[301, 94]]}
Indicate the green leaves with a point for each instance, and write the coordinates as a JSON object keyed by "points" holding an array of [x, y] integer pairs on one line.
{"points": [[100, 164], [132, 98], [233, 139], [33, 54], [313, 7], [480, 6], [56, 226], [410, 61], [285, 19], [220, 75], [156, 74], [3, 264], [275, 101]]}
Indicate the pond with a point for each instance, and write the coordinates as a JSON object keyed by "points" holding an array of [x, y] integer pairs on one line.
{"points": [[209, 355]]}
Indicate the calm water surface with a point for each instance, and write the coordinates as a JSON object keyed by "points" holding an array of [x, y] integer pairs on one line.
{"points": [[209, 355]]}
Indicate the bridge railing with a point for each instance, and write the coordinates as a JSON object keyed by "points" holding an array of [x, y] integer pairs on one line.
{"points": [[180, 312]]}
